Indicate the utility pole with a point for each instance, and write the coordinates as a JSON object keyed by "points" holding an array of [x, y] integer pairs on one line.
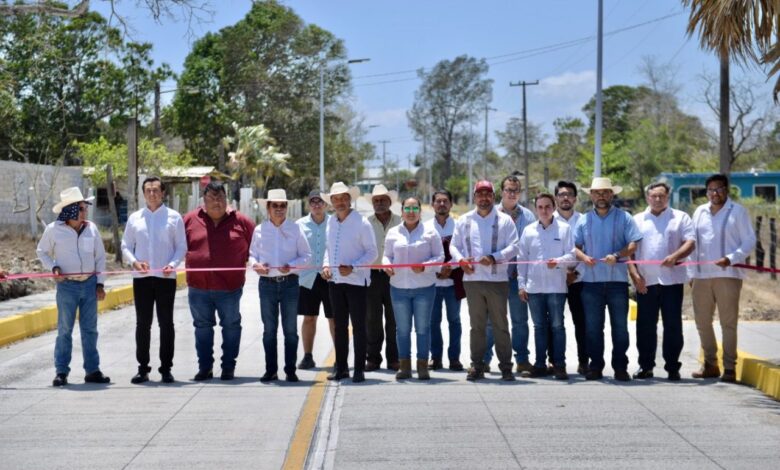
{"points": [[157, 127], [525, 135], [599, 100], [485, 170], [384, 159], [430, 167]]}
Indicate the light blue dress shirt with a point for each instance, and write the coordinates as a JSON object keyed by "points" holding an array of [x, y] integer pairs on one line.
{"points": [[600, 236], [315, 234]]}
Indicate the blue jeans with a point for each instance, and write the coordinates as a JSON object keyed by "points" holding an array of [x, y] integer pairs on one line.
{"points": [[446, 295], [73, 295], [203, 303], [275, 297], [518, 313], [408, 305], [596, 296], [547, 314]]}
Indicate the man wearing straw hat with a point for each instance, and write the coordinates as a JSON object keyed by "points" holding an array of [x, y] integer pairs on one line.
{"points": [[72, 249], [278, 245], [379, 303], [604, 236], [350, 244], [218, 239], [154, 244]]}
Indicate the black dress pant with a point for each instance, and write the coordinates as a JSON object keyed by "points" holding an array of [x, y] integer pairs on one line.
{"points": [[148, 292], [349, 303], [380, 320], [669, 300]]}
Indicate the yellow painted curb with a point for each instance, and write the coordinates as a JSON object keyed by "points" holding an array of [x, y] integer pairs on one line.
{"points": [[754, 371], [307, 421], [35, 322], [632, 310]]}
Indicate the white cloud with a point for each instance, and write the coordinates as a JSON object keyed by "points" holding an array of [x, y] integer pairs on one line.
{"points": [[387, 118], [568, 85]]}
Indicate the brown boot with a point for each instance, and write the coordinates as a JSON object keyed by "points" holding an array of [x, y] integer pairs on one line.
{"points": [[729, 376], [707, 371], [404, 369], [422, 369]]}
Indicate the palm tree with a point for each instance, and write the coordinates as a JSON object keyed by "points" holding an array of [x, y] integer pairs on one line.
{"points": [[256, 158], [745, 30]]}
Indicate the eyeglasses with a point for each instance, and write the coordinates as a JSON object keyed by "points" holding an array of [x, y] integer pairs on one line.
{"points": [[563, 195], [279, 205], [719, 189], [316, 202], [604, 193], [410, 209], [512, 191]]}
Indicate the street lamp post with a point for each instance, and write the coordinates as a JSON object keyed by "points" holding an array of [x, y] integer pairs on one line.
{"points": [[322, 117]]}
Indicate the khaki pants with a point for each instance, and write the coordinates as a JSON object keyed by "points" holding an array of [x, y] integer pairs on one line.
{"points": [[722, 292], [489, 299]]}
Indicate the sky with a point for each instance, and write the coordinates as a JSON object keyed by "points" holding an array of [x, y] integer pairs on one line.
{"points": [[552, 41]]}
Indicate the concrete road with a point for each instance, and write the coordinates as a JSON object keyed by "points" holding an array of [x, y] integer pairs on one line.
{"points": [[444, 423]]}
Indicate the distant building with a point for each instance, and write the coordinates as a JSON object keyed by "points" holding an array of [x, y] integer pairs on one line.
{"points": [[687, 187]]}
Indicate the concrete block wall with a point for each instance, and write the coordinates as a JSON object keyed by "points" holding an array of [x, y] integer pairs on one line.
{"points": [[16, 178]]}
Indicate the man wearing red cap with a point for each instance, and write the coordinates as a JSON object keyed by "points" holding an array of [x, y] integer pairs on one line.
{"points": [[483, 238]]}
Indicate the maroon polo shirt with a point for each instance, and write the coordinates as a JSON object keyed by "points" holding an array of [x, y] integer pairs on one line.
{"points": [[225, 245]]}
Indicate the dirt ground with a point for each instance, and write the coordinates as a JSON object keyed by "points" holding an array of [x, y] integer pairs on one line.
{"points": [[17, 255]]}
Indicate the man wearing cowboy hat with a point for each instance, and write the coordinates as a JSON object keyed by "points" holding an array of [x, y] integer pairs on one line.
{"points": [[483, 238], [604, 236], [278, 245], [154, 244], [218, 239], [71, 247], [379, 293], [313, 288], [350, 244]]}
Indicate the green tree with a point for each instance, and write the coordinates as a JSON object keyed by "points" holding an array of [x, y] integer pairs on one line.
{"points": [[256, 158], [617, 106], [568, 145], [448, 101], [265, 70]]}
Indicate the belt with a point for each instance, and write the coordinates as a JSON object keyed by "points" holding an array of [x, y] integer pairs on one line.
{"points": [[288, 277]]}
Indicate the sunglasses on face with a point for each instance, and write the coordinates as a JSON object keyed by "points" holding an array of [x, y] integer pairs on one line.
{"points": [[279, 205], [410, 209]]}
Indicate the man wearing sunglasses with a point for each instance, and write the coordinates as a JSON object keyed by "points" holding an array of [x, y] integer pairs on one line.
{"points": [[724, 237], [72, 249]]}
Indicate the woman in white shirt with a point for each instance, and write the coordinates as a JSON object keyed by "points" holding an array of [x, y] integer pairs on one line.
{"points": [[412, 289]]}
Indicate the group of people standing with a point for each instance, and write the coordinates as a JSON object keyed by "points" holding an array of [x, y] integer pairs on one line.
{"points": [[387, 275]]}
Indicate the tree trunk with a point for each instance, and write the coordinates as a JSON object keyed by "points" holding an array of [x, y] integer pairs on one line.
{"points": [[725, 131], [114, 214]]}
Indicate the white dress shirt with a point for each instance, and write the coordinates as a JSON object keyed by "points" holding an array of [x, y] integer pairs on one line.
{"points": [[72, 252], [421, 245], [279, 246], [480, 232], [662, 235], [445, 233], [540, 244], [728, 233], [351, 243], [155, 237]]}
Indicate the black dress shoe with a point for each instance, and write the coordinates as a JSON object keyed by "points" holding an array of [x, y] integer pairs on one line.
{"points": [[622, 376], [292, 377], [96, 377], [358, 377], [456, 365], [643, 374], [227, 374], [371, 366], [307, 362], [60, 380], [269, 377], [338, 374], [167, 377], [435, 364], [594, 375], [674, 376], [140, 378], [204, 375]]}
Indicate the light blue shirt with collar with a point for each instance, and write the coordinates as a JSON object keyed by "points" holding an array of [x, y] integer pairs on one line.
{"points": [[315, 234], [524, 218], [599, 236]]}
